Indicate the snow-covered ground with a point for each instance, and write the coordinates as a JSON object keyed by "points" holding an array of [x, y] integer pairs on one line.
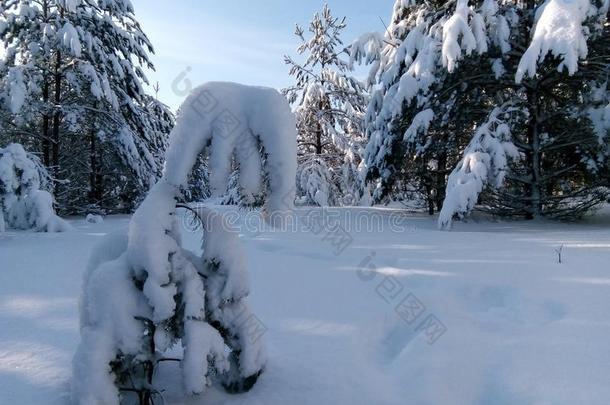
{"points": [[404, 314]]}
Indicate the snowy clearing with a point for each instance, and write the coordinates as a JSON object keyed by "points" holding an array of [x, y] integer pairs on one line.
{"points": [[357, 326]]}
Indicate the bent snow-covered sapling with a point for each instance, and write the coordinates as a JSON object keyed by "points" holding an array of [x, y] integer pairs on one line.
{"points": [[143, 293]]}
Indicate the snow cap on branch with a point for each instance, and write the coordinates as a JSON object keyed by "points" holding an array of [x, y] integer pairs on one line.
{"points": [[559, 31], [227, 115], [455, 28]]}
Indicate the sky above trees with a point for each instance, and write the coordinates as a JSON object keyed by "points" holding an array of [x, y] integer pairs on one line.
{"points": [[199, 41]]}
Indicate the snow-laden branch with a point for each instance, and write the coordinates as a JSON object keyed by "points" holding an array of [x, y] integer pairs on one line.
{"points": [[228, 116], [455, 28], [560, 32], [485, 163]]}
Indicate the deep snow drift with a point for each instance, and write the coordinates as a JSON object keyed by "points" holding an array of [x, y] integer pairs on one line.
{"points": [[341, 326]]}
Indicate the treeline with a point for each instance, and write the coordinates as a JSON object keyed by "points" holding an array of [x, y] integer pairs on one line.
{"points": [[71, 85], [503, 106], [468, 103]]}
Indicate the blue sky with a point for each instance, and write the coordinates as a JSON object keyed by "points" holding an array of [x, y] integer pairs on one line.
{"points": [[197, 41]]}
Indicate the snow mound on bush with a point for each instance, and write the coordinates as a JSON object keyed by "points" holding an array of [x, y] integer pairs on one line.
{"points": [[22, 203]]}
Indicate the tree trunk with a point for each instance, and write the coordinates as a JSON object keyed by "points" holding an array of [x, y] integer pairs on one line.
{"points": [[533, 204], [441, 183], [95, 177], [46, 145], [430, 196], [534, 158], [319, 132], [319, 141], [56, 118], [94, 195]]}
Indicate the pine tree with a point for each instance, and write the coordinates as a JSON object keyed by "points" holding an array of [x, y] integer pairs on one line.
{"points": [[329, 104], [72, 81], [444, 68]]}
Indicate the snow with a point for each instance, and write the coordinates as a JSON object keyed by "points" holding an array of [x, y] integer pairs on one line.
{"points": [[421, 123], [498, 68], [521, 328], [600, 118], [39, 207], [17, 90], [112, 326], [366, 48], [94, 219], [559, 31], [455, 28], [70, 5], [227, 114], [70, 39], [201, 340], [315, 183], [221, 244], [150, 245]]}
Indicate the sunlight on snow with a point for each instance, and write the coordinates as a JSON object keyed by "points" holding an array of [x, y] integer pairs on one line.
{"points": [[319, 328], [36, 363], [584, 280]]}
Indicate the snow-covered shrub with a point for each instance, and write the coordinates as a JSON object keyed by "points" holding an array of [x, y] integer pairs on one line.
{"points": [[143, 293], [324, 181], [23, 205], [94, 219], [316, 183], [354, 190]]}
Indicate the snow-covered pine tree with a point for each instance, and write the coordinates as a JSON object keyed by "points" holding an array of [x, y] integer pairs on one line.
{"points": [[244, 188], [415, 126], [329, 104], [444, 68], [198, 187], [71, 79], [143, 293]]}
